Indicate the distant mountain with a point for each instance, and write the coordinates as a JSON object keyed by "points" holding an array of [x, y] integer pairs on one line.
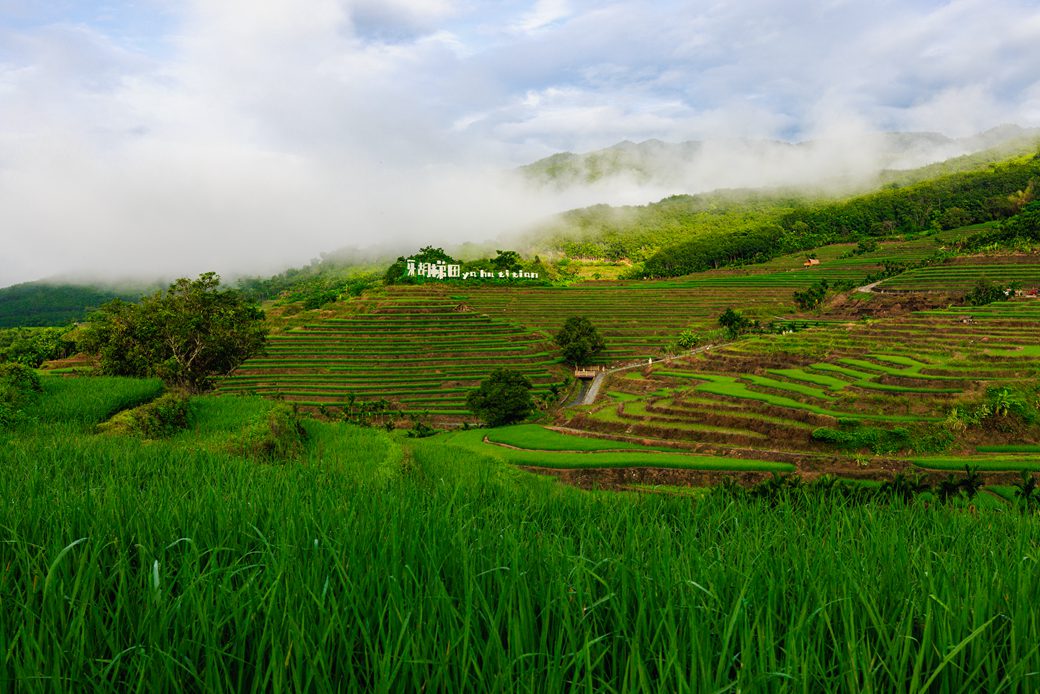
{"points": [[42, 303], [697, 166]]}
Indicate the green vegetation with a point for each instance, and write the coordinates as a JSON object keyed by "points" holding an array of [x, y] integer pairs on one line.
{"points": [[186, 335], [35, 304], [810, 298], [604, 458], [1020, 232], [978, 196], [33, 346], [735, 323], [159, 418], [856, 437], [985, 292], [578, 340], [538, 438], [419, 352], [182, 564], [504, 397], [18, 385]]}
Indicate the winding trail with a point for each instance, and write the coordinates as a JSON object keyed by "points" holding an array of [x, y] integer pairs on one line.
{"points": [[592, 392]]}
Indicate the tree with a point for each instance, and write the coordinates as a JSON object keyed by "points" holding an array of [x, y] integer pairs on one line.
{"points": [[579, 340], [507, 261], [812, 296], [986, 292], [186, 335], [735, 323], [503, 397]]}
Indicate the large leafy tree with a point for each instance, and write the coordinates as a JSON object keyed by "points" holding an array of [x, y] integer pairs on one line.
{"points": [[186, 335], [579, 340], [503, 397]]}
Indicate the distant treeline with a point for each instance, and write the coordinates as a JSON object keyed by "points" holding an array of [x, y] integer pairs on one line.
{"points": [[948, 202], [637, 233], [35, 304]]}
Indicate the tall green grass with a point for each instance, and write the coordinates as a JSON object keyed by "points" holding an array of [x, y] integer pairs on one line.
{"points": [[155, 566]]}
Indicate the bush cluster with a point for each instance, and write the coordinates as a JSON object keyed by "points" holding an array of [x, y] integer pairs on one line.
{"points": [[276, 438], [18, 383], [164, 416]]}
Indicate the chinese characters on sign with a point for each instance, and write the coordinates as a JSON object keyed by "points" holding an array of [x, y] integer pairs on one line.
{"points": [[441, 270]]}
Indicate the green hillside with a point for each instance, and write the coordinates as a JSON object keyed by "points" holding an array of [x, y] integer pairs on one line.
{"points": [[44, 304], [689, 233]]}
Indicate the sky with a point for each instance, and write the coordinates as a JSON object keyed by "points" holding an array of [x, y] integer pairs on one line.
{"points": [[246, 136]]}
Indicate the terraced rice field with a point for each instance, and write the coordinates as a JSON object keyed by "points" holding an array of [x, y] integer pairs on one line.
{"points": [[424, 348], [762, 398], [641, 319], [416, 351], [961, 274]]}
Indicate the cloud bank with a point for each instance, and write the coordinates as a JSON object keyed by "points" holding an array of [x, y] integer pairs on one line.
{"points": [[245, 136]]}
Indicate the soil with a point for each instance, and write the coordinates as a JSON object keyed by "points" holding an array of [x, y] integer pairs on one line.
{"points": [[621, 479], [877, 305]]}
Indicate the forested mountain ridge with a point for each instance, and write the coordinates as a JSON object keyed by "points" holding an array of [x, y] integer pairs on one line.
{"points": [[996, 193], [46, 303]]}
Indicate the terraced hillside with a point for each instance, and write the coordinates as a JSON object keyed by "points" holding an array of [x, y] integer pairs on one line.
{"points": [[420, 352], [424, 347], [961, 274], [641, 319], [906, 387]]}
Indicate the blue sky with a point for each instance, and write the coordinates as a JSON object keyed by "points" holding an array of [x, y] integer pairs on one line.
{"points": [[131, 129]]}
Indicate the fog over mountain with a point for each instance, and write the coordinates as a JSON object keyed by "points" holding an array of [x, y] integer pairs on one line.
{"points": [[837, 164], [159, 138]]}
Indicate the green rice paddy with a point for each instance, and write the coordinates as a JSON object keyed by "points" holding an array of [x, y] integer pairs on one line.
{"points": [[368, 562]]}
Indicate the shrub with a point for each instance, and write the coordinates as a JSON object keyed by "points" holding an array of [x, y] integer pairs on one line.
{"points": [[278, 437], [18, 383], [688, 339], [160, 418], [879, 441], [20, 378]]}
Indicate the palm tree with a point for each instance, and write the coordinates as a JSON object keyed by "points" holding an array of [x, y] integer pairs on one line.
{"points": [[1026, 491]]}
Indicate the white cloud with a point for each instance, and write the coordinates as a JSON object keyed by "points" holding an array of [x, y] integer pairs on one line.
{"points": [[542, 14], [242, 135]]}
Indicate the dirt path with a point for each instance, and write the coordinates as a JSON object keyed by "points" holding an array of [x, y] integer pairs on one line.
{"points": [[593, 391], [868, 288]]}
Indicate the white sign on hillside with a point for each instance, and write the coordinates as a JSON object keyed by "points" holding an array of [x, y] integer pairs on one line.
{"points": [[442, 270]]}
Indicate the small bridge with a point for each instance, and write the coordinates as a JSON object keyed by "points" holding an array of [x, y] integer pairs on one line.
{"points": [[583, 372]]}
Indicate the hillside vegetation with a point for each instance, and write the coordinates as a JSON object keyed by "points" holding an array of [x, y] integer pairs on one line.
{"points": [[46, 304], [208, 560], [946, 202]]}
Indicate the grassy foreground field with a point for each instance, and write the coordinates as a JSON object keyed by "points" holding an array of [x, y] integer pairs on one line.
{"points": [[367, 563]]}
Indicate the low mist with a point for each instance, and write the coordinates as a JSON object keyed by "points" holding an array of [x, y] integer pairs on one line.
{"points": [[178, 138]]}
